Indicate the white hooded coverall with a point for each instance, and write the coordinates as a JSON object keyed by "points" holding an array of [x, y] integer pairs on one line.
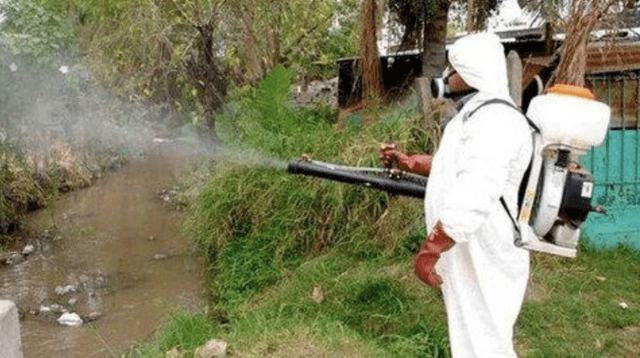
{"points": [[480, 159]]}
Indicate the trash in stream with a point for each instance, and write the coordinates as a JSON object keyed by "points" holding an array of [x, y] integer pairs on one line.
{"points": [[70, 319]]}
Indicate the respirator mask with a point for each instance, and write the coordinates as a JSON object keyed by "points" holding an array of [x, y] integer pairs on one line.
{"points": [[450, 85]]}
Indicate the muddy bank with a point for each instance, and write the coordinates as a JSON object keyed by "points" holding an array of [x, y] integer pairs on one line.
{"points": [[112, 253]]}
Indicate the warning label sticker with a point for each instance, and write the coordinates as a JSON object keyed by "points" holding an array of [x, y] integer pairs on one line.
{"points": [[587, 189]]}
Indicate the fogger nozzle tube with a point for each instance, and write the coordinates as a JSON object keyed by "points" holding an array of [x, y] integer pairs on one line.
{"points": [[390, 185]]}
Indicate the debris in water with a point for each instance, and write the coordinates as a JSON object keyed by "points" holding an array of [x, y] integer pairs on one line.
{"points": [[93, 316], [70, 319], [28, 250], [11, 258], [63, 290], [54, 308], [45, 309]]}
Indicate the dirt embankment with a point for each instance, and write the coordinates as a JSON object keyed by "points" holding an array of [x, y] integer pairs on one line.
{"points": [[31, 180]]}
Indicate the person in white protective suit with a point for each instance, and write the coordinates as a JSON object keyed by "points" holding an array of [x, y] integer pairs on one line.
{"points": [[470, 252]]}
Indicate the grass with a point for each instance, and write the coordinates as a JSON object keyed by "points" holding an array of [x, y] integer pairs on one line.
{"points": [[579, 313], [303, 267], [21, 189], [376, 308], [185, 331], [31, 179], [367, 310]]}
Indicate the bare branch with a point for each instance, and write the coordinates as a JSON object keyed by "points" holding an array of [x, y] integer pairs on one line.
{"points": [[183, 14]]}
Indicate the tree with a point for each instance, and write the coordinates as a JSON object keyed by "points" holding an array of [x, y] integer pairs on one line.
{"points": [[266, 33], [478, 12], [185, 53], [31, 41], [434, 51], [577, 18], [369, 59], [425, 27], [426, 22], [202, 67], [33, 30]]}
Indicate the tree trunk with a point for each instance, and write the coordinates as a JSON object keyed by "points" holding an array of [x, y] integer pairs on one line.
{"points": [[369, 59], [478, 12], [435, 40], [471, 15], [253, 68], [583, 18], [434, 60], [207, 76]]}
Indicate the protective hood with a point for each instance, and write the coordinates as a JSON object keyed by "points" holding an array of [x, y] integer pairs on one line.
{"points": [[479, 59]]}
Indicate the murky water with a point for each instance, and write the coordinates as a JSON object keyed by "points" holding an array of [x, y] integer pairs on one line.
{"points": [[118, 245]]}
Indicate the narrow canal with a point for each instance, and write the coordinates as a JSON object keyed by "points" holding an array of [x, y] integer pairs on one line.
{"points": [[112, 253]]}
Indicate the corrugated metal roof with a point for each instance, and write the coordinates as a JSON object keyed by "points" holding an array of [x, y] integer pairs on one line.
{"points": [[613, 58], [601, 58]]}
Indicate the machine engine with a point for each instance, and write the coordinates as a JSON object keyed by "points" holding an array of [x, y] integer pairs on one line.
{"points": [[558, 194]]}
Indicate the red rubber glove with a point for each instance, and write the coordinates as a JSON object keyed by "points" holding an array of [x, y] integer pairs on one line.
{"points": [[424, 267], [417, 164]]}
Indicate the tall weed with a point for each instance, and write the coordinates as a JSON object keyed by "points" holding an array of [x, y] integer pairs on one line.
{"points": [[268, 119], [259, 227], [20, 189], [299, 259]]}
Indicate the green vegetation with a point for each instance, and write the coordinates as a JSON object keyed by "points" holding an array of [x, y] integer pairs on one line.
{"points": [[306, 215], [34, 30], [306, 267], [155, 48], [271, 239], [298, 267], [31, 180], [578, 309]]}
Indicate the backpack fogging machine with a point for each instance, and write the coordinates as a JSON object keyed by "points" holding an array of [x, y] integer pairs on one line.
{"points": [[558, 192]]}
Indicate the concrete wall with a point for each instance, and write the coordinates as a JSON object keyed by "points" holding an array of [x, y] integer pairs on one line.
{"points": [[615, 166], [10, 346]]}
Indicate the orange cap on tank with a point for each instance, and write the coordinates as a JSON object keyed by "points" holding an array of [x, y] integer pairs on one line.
{"points": [[571, 90]]}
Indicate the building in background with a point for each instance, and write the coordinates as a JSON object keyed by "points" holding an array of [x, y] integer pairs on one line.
{"points": [[613, 74]]}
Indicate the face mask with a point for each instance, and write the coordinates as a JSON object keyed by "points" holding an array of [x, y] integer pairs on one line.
{"points": [[450, 85]]}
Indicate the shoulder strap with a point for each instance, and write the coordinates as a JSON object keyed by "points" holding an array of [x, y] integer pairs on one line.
{"points": [[525, 178], [516, 228], [507, 103]]}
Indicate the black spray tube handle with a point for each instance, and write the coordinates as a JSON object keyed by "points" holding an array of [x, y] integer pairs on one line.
{"points": [[396, 186]]}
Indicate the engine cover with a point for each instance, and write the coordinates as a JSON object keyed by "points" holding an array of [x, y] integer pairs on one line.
{"points": [[576, 200]]}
